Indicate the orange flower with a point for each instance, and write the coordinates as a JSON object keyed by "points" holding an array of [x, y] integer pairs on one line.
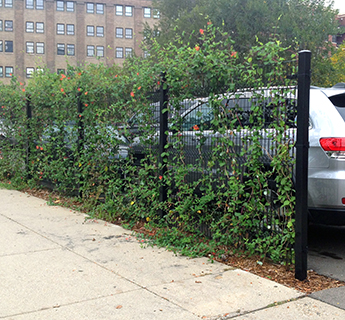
{"points": [[234, 54], [23, 90], [116, 76], [201, 31], [132, 94], [86, 93], [37, 147], [41, 148], [86, 104], [139, 88], [21, 83], [68, 78], [79, 73], [196, 128], [137, 73], [160, 177], [61, 89], [80, 116], [158, 82], [209, 23], [62, 77], [197, 48], [79, 89]]}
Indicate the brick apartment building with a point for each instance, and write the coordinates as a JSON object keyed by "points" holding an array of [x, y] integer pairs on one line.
{"points": [[38, 33]]}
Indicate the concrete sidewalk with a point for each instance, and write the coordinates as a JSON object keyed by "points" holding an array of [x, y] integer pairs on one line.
{"points": [[56, 265]]}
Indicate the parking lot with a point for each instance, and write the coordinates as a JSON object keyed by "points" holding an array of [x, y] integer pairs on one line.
{"points": [[327, 251]]}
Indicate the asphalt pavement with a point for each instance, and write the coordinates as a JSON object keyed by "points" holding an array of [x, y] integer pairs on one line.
{"points": [[55, 264]]}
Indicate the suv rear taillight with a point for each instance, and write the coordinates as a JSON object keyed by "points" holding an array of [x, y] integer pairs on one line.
{"points": [[334, 147]]}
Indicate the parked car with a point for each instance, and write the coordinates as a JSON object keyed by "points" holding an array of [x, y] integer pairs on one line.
{"points": [[326, 173]]}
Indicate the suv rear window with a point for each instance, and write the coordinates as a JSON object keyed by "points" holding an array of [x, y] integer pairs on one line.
{"points": [[339, 102]]}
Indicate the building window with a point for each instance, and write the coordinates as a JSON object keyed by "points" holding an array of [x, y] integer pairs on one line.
{"points": [[70, 50], [40, 47], [128, 11], [8, 3], [100, 31], [60, 49], [60, 71], [8, 46], [29, 47], [90, 31], [1, 72], [119, 32], [29, 26], [147, 12], [70, 29], [90, 7], [100, 51], [59, 6], [29, 72], [129, 52], [129, 33], [8, 25], [100, 8], [146, 54], [90, 51], [8, 72], [39, 27], [156, 14], [119, 52], [69, 6], [1, 46], [29, 4], [39, 4], [60, 28], [119, 10], [1, 26]]}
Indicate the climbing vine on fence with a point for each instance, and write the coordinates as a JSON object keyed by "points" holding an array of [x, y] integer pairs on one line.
{"points": [[79, 139]]}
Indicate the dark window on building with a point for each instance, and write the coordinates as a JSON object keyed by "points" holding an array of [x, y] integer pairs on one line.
{"points": [[1, 72], [70, 50], [30, 47], [70, 29], [39, 4], [29, 26], [100, 51], [90, 7], [100, 31], [119, 10], [156, 14], [8, 25], [60, 6], [61, 49], [129, 33], [8, 46], [29, 4], [90, 51], [129, 52], [99, 8], [70, 6], [1, 46], [60, 71], [1, 26], [39, 27], [8, 3], [129, 11], [60, 28], [8, 72], [90, 31], [147, 12], [119, 32], [40, 47], [119, 52], [29, 72]]}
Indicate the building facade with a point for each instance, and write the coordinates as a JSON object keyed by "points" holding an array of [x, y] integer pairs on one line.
{"points": [[52, 34]]}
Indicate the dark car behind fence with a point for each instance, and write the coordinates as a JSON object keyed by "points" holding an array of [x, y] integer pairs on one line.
{"points": [[223, 165]]}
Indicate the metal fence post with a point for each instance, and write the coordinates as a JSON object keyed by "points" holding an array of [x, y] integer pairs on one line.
{"points": [[80, 142], [29, 133], [302, 145], [163, 139]]}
